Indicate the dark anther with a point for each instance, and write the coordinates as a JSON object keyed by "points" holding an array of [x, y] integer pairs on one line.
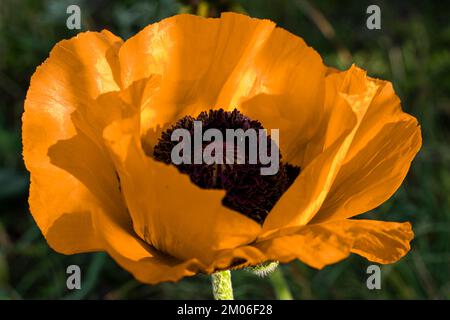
{"points": [[247, 190]]}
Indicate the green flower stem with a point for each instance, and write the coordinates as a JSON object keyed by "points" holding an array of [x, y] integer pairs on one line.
{"points": [[280, 285], [222, 287]]}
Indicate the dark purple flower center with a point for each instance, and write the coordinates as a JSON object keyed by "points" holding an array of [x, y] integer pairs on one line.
{"points": [[247, 190]]}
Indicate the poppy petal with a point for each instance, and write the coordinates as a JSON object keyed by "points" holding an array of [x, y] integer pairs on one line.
{"points": [[234, 62], [132, 253], [319, 245], [195, 65], [151, 266], [77, 71], [378, 160], [323, 159]]}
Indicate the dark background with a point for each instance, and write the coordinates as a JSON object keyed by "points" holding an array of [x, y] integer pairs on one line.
{"points": [[411, 50]]}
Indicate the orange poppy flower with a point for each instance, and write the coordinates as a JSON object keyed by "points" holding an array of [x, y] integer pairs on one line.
{"points": [[95, 126]]}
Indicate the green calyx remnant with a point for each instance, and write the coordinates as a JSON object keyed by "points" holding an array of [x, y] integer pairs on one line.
{"points": [[222, 287], [263, 269]]}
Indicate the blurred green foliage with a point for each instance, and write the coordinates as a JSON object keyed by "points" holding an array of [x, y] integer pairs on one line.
{"points": [[411, 50]]}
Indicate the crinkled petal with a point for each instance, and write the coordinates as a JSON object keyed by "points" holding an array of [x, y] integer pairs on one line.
{"points": [[231, 62], [377, 161], [325, 153], [77, 71], [145, 262], [322, 244]]}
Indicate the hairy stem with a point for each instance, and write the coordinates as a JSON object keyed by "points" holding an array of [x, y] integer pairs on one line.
{"points": [[222, 287]]}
